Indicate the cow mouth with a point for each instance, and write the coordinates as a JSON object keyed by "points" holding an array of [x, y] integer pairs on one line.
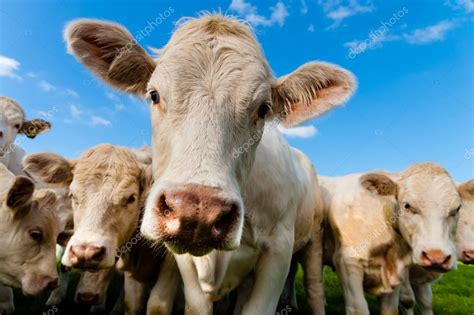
{"points": [[437, 268], [200, 249]]}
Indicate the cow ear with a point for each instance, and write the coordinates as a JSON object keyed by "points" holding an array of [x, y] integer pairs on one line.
{"points": [[379, 184], [310, 91], [20, 194], [466, 190], [110, 52], [64, 237], [32, 128], [50, 168]]}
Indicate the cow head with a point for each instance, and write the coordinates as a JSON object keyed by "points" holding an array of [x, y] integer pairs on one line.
{"points": [[107, 186], [92, 287], [29, 229], [465, 230], [427, 207], [211, 91], [12, 122]]}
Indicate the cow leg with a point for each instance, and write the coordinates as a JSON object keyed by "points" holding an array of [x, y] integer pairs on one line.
{"points": [[58, 295], [424, 297], [134, 295], [407, 298], [312, 263], [351, 276], [244, 290], [164, 291], [288, 296], [195, 299], [389, 302], [270, 274], [6, 300]]}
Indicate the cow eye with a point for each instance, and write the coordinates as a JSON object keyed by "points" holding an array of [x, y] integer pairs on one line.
{"points": [[454, 212], [131, 199], [155, 97], [409, 208], [263, 109], [17, 126], [36, 235]]}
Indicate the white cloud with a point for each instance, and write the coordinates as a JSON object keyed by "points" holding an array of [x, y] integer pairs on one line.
{"points": [[99, 121], [299, 132], [311, 28], [119, 106], [111, 96], [250, 13], [71, 92], [75, 111], [8, 67], [46, 86], [466, 5], [429, 34], [32, 74], [339, 10]]}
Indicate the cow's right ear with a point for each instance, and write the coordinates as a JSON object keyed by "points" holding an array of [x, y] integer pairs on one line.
{"points": [[466, 190], [50, 168], [20, 194], [110, 52], [379, 184]]}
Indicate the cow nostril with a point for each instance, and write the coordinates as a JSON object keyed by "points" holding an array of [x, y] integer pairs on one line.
{"points": [[164, 209], [226, 220], [99, 252], [447, 259], [1, 134], [52, 285]]}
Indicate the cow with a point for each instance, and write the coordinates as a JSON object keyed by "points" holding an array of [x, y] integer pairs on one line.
{"points": [[30, 230], [92, 289], [211, 93], [417, 287], [13, 122], [379, 224], [108, 185]]}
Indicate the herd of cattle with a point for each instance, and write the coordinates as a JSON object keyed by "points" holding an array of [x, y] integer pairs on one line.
{"points": [[218, 215]]}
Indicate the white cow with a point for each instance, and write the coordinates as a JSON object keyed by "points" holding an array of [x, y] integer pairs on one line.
{"points": [[13, 122], [216, 188], [381, 223], [417, 288]]}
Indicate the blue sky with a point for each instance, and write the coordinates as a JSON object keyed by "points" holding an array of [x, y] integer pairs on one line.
{"points": [[413, 60]]}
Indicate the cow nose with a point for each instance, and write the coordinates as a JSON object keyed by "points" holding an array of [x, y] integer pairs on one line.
{"points": [[86, 255], [197, 217], [436, 259], [468, 256], [87, 298]]}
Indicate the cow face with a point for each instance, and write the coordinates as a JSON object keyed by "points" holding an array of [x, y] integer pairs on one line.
{"points": [[211, 91], [427, 211], [12, 122], [29, 229], [465, 230], [107, 187], [92, 287]]}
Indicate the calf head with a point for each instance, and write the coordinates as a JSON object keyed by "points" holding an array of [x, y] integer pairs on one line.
{"points": [[107, 186], [465, 230], [427, 206], [29, 229], [12, 122], [211, 91]]}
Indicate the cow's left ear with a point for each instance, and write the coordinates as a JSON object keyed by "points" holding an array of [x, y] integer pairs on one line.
{"points": [[32, 128], [310, 91], [379, 184], [466, 190]]}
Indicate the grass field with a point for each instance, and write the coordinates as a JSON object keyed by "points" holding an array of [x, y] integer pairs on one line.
{"points": [[453, 295]]}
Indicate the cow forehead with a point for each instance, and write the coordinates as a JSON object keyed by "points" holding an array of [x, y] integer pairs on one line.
{"points": [[430, 191]]}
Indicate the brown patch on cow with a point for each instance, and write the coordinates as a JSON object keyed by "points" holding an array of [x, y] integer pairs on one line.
{"points": [[466, 190], [379, 183]]}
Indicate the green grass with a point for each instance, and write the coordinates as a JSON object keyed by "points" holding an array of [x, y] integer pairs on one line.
{"points": [[453, 295]]}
